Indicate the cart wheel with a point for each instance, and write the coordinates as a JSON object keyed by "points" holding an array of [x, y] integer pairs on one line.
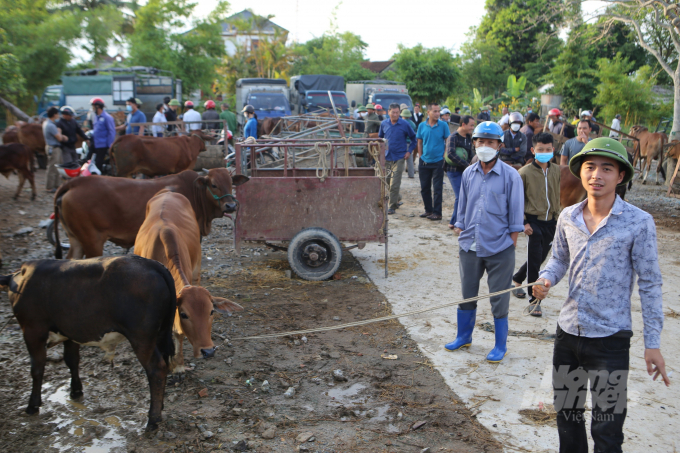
{"points": [[314, 254]]}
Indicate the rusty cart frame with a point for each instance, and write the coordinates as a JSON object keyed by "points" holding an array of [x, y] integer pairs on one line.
{"points": [[309, 211]]}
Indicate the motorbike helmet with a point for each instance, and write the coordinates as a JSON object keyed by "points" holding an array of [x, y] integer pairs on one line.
{"points": [[67, 109], [488, 129], [378, 107], [97, 101], [516, 117], [445, 111], [555, 112], [189, 104], [209, 104]]}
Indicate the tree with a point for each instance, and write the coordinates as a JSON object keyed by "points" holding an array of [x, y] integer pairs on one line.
{"points": [[621, 93], [652, 20], [572, 76], [332, 53], [103, 22], [429, 74], [13, 83], [39, 40], [191, 56], [513, 26], [482, 66]]}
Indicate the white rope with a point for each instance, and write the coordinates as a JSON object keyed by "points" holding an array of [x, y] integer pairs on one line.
{"points": [[323, 159], [385, 318]]}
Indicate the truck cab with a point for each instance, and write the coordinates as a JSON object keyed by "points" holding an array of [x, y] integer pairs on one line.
{"points": [[269, 97], [317, 101], [53, 96], [383, 92]]}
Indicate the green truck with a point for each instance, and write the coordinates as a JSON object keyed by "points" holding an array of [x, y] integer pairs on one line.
{"points": [[114, 86]]}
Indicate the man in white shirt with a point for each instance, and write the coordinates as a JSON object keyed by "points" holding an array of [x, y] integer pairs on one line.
{"points": [[504, 122], [616, 127], [192, 115], [158, 118]]}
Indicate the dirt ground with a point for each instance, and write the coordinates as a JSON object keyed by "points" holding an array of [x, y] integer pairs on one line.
{"points": [[235, 401]]}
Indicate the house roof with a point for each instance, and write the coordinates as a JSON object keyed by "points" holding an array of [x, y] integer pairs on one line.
{"points": [[267, 26], [376, 66]]}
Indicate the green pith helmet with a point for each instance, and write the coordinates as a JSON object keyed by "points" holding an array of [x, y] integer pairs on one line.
{"points": [[138, 102], [175, 102], [605, 147], [362, 109], [406, 113], [370, 106]]}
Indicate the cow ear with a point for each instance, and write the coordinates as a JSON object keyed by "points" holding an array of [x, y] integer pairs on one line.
{"points": [[225, 306], [237, 180], [201, 182]]}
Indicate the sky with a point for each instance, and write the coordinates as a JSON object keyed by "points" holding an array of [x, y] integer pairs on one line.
{"points": [[381, 24]]}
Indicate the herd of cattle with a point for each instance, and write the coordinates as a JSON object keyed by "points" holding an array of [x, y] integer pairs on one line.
{"points": [[152, 298]]}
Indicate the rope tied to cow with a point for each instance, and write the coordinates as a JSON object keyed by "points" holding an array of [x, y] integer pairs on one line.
{"points": [[323, 159], [385, 318]]}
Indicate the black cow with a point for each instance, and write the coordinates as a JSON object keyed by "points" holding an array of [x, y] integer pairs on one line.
{"points": [[96, 302]]}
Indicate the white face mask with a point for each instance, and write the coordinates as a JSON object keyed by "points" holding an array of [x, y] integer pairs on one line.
{"points": [[486, 153], [514, 127], [363, 114]]}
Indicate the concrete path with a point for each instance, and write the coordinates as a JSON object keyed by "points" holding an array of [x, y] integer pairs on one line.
{"points": [[424, 272]]}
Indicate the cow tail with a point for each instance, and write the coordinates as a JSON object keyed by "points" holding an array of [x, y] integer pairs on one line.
{"points": [[58, 254], [164, 342], [661, 157]]}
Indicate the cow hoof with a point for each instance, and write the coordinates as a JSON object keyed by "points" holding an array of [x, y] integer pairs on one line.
{"points": [[75, 394], [33, 197], [153, 425], [658, 183], [644, 183], [32, 410]]}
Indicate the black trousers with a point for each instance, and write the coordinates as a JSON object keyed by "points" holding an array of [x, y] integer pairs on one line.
{"points": [[540, 242], [602, 364], [100, 155], [431, 180]]}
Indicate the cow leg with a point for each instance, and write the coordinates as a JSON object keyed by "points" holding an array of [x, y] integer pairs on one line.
{"points": [[72, 360], [648, 164], [31, 179], [94, 248], [35, 343], [22, 180], [157, 372]]}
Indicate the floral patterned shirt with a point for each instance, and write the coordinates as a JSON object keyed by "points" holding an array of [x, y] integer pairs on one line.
{"points": [[602, 268]]}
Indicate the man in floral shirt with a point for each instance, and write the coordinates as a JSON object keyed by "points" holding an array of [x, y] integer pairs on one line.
{"points": [[603, 242]]}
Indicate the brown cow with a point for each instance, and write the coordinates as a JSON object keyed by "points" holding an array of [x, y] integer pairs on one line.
{"points": [[154, 156], [94, 209], [171, 236], [651, 147], [31, 135], [16, 156], [11, 135], [97, 302]]}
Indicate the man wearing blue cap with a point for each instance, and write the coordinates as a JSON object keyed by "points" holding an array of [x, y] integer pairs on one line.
{"points": [[489, 219]]}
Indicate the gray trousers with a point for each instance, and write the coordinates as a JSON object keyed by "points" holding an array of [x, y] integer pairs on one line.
{"points": [[409, 166], [395, 170], [68, 154], [52, 177], [499, 269]]}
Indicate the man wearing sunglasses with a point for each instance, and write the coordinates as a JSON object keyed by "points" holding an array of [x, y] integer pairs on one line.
{"points": [[604, 243]]}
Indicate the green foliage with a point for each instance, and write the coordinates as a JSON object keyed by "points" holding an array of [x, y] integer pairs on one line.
{"points": [[39, 40], [430, 75], [357, 72], [516, 87], [13, 83], [332, 53], [513, 26], [572, 76], [482, 67], [191, 56], [620, 93]]}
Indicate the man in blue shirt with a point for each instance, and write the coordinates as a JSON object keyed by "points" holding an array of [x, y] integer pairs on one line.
{"points": [[397, 132], [250, 130], [103, 133], [134, 116], [432, 135], [489, 219]]}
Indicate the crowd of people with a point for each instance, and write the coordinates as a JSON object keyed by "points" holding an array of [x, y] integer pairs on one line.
{"points": [[506, 180]]}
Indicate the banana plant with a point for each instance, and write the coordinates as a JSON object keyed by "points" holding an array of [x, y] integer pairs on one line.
{"points": [[515, 87]]}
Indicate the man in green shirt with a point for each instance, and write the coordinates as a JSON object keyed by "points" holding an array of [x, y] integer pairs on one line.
{"points": [[230, 117]]}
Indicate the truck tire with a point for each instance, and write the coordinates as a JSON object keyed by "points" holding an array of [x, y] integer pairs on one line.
{"points": [[314, 254]]}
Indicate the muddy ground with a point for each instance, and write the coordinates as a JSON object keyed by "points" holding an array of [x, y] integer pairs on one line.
{"points": [[224, 404]]}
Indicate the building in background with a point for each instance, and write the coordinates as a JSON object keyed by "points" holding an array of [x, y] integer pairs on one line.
{"points": [[246, 29]]}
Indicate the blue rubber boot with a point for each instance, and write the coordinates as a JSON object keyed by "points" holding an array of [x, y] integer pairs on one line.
{"points": [[501, 348], [466, 324]]}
